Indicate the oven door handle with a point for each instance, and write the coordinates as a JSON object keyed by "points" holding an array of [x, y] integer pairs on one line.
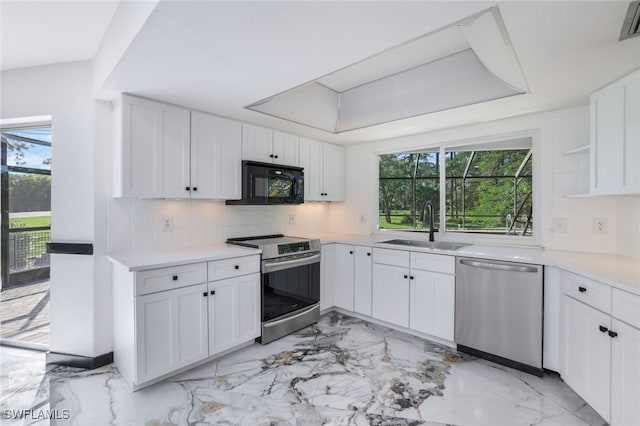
{"points": [[285, 264], [305, 312]]}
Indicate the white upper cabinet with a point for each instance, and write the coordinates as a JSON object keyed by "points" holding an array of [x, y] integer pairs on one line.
{"points": [[152, 160], [269, 146], [171, 152], [323, 165], [615, 137], [215, 157]]}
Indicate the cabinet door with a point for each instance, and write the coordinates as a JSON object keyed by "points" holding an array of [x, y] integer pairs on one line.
{"points": [[327, 276], [257, 143], [362, 280], [432, 303], [155, 149], [234, 312], [625, 375], [285, 148], [390, 296], [333, 172], [587, 354], [311, 161], [607, 125], [344, 261], [631, 143], [216, 165], [171, 331]]}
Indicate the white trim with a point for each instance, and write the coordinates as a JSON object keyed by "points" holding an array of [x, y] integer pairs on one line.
{"points": [[25, 122]]}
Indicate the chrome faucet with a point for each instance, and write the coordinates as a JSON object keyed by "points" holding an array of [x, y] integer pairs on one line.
{"points": [[429, 205]]}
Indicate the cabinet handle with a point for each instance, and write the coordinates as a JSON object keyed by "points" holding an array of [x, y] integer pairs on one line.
{"points": [[612, 333], [603, 329], [213, 292], [175, 278], [195, 188], [204, 294], [237, 267], [582, 289], [188, 188], [406, 276]]}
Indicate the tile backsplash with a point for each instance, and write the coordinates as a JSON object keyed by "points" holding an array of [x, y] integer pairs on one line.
{"points": [[155, 225]]}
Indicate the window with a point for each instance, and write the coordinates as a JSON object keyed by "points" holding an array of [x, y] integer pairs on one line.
{"points": [[487, 188], [407, 182]]}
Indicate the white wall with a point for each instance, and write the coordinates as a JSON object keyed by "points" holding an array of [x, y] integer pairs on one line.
{"points": [[64, 92], [559, 175]]}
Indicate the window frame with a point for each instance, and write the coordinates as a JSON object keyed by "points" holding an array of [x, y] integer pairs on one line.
{"points": [[472, 238]]}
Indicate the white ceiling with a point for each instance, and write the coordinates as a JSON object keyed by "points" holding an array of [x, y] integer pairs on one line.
{"points": [[221, 56], [46, 32]]}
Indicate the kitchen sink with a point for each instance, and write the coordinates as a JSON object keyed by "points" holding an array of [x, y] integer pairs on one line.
{"points": [[432, 245]]}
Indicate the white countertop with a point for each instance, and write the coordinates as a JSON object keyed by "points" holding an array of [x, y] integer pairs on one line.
{"points": [[161, 259], [618, 271]]}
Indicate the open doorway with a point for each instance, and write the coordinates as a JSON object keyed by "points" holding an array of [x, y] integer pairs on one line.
{"points": [[25, 229]]}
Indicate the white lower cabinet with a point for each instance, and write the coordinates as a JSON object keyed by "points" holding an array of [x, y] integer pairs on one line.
{"points": [[234, 312], [390, 301], [344, 283], [171, 330], [587, 354], [327, 276], [625, 375], [362, 284], [432, 303]]}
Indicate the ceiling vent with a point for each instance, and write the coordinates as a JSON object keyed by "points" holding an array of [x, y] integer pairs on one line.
{"points": [[631, 24], [465, 63]]}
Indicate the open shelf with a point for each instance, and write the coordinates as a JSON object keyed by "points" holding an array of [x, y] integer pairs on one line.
{"points": [[577, 150]]}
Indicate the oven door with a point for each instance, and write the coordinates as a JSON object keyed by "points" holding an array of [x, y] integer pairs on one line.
{"points": [[290, 286]]}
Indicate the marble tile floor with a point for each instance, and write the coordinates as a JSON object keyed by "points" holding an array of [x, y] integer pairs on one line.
{"points": [[341, 371]]}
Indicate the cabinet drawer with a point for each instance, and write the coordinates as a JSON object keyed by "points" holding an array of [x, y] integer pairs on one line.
{"points": [[626, 307], [391, 257], [433, 262], [162, 279], [588, 291], [234, 267]]}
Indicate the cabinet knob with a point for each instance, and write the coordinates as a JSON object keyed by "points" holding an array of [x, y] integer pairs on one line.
{"points": [[350, 251], [237, 267], [276, 156], [368, 254], [213, 292], [582, 289], [612, 333], [175, 278], [188, 188], [195, 188], [406, 276], [204, 294], [411, 277], [603, 329], [270, 155]]}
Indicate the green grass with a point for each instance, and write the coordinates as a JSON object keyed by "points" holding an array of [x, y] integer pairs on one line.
{"points": [[29, 222]]}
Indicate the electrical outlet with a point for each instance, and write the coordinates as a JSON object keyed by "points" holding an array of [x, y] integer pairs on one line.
{"points": [[363, 219], [560, 225], [600, 226], [167, 224], [292, 219]]}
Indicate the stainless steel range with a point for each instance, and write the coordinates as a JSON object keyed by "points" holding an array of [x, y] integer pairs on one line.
{"points": [[290, 283]]}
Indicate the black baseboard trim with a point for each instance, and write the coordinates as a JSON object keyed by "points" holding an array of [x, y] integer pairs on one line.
{"points": [[503, 361], [79, 361]]}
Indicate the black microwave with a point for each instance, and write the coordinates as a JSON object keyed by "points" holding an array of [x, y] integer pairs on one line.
{"points": [[266, 183]]}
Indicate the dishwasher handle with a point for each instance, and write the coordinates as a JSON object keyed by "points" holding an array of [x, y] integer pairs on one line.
{"points": [[498, 266]]}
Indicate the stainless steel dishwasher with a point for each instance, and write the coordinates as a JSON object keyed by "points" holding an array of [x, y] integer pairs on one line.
{"points": [[499, 312]]}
